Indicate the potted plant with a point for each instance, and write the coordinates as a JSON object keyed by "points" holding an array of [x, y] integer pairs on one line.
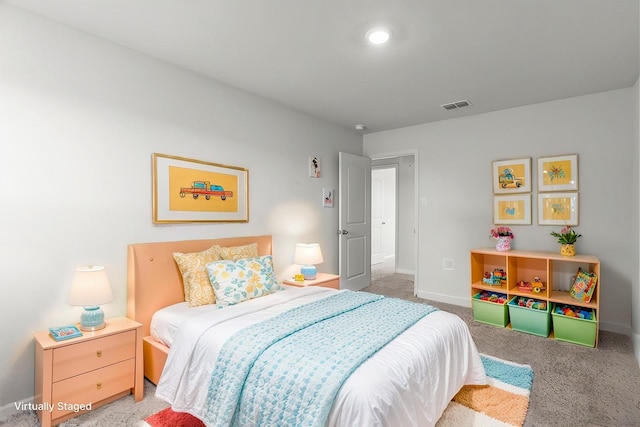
{"points": [[503, 235], [567, 237]]}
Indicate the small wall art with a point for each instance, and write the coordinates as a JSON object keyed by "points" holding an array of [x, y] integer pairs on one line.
{"points": [[314, 167], [512, 209], [559, 173], [188, 190], [327, 197], [511, 176], [558, 209]]}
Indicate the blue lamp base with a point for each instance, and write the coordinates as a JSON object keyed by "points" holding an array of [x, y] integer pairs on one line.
{"points": [[309, 272], [92, 319]]}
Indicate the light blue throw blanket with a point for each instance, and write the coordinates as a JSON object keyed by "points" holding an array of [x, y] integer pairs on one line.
{"points": [[286, 371]]}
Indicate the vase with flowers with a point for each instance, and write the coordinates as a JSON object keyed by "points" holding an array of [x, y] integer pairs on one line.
{"points": [[567, 237], [503, 235]]}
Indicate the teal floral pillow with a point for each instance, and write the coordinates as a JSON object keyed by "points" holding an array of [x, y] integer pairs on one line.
{"points": [[241, 280]]}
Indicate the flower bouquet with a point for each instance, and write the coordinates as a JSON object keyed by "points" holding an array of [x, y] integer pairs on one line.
{"points": [[498, 232], [503, 235]]}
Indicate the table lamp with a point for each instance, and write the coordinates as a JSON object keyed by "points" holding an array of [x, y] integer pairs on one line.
{"points": [[308, 254], [89, 289]]}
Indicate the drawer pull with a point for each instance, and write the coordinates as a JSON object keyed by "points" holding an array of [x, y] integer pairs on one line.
{"points": [[99, 353], [98, 385]]}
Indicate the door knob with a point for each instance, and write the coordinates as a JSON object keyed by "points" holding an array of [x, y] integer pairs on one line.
{"points": [[343, 232]]}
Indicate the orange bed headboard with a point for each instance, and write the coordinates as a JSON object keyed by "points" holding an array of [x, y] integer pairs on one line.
{"points": [[154, 280]]}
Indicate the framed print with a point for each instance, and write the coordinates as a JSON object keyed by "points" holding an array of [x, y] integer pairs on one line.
{"points": [[558, 209], [559, 173], [512, 209], [511, 176], [188, 190], [314, 167], [327, 197]]}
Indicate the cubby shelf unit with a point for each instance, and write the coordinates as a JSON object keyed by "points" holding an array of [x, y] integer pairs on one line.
{"points": [[553, 269]]}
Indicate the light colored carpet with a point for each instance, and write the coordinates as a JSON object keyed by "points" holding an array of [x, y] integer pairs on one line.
{"points": [[574, 385]]}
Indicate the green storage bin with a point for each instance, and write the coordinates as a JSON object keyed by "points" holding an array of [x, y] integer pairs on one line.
{"points": [[489, 312], [530, 320], [574, 329]]}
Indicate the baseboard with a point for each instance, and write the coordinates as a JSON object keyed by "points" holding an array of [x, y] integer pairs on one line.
{"points": [[405, 271], [448, 299], [635, 340], [13, 408], [615, 327]]}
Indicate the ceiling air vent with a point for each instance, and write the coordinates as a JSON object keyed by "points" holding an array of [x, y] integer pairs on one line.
{"points": [[457, 104]]}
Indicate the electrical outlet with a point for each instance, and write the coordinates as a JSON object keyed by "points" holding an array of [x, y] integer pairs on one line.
{"points": [[447, 264]]}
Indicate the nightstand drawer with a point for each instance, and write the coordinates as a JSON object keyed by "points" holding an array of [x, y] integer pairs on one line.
{"points": [[79, 358], [92, 387]]}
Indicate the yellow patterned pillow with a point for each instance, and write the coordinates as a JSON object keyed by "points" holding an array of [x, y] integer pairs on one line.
{"points": [[197, 288], [235, 253], [245, 279]]}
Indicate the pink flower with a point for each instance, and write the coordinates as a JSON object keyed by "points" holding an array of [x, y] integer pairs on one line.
{"points": [[501, 232], [567, 235]]}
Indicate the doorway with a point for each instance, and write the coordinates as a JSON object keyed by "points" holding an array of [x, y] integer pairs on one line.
{"points": [[383, 214], [394, 246]]}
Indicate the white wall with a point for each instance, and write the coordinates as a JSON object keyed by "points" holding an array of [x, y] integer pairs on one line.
{"points": [[454, 177], [79, 120]]}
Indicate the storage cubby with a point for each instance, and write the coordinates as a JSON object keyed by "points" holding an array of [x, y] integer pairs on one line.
{"points": [[553, 270]]}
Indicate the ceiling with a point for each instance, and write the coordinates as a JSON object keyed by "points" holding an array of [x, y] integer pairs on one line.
{"points": [[312, 55]]}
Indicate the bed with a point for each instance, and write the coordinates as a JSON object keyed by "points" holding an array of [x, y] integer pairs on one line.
{"points": [[408, 381]]}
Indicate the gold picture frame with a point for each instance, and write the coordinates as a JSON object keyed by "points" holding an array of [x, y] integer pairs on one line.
{"points": [[558, 173], [189, 190], [512, 209], [511, 176], [558, 209]]}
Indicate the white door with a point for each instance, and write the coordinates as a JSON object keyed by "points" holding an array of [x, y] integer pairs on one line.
{"points": [[383, 213], [354, 199], [377, 216]]}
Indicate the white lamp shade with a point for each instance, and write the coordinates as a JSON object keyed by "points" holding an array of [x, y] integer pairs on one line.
{"points": [[308, 254], [90, 287]]}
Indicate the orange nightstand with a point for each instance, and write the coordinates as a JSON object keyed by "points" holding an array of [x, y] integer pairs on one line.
{"points": [[80, 374], [322, 279]]}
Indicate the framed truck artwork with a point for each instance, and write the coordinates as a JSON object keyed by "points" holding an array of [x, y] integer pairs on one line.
{"points": [[511, 176], [189, 190]]}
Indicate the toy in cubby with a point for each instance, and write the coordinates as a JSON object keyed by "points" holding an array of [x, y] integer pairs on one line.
{"points": [[572, 311], [524, 286], [496, 297], [537, 286], [531, 303], [497, 278]]}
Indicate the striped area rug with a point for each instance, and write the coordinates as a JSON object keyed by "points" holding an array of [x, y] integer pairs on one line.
{"points": [[504, 401]]}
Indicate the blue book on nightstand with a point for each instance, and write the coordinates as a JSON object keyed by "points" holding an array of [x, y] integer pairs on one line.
{"points": [[65, 332]]}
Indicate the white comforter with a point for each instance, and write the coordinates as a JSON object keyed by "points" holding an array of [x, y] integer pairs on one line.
{"points": [[409, 382]]}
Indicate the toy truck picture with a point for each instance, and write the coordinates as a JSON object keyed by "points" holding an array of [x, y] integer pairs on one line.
{"points": [[507, 179], [206, 189]]}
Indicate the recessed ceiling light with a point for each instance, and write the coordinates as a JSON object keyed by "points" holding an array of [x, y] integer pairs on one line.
{"points": [[359, 126], [378, 35]]}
